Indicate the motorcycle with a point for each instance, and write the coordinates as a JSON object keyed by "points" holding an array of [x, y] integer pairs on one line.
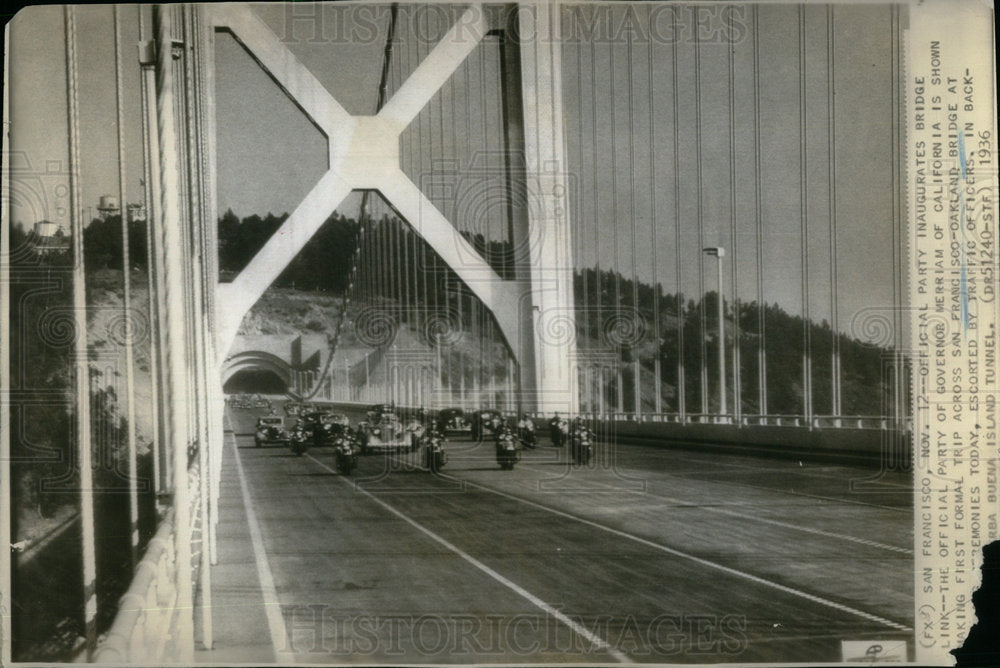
{"points": [[299, 440], [434, 454], [526, 433], [558, 431], [345, 454], [582, 446], [507, 453], [418, 434]]}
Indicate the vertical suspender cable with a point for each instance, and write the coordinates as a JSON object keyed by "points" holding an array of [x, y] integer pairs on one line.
{"points": [[169, 239], [681, 398], [187, 226], [804, 225], [636, 362], [206, 64], [598, 276], [587, 364], [200, 222], [419, 255], [414, 239], [158, 270], [494, 261], [585, 395], [399, 260], [133, 473], [702, 316], [82, 366], [147, 159], [897, 235], [459, 285], [396, 266], [154, 370], [441, 279], [619, 389], [425, 254], [505, 223], [734, 239], [487, 352], [832, 173], [758, 219], [655, 281]]}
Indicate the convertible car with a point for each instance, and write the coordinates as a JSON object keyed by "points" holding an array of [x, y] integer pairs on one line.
{"points": [[485, 422], [382, 431], [270, 430], [329, 426], [453, 420]]}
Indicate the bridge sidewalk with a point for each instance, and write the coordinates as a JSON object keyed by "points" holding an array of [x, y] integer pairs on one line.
{"points": [[240, 628]]}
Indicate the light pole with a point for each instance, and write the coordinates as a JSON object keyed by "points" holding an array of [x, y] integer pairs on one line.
{"points": [[719, 252]]}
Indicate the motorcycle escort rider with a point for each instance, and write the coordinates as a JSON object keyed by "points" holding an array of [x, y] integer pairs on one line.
{"points": [[526, 431], [434, 454], [557, 430], [506, 447], [579, 434], [417, 430]]}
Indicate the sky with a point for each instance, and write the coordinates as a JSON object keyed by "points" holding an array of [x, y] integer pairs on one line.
{"points": [[619, 97]]}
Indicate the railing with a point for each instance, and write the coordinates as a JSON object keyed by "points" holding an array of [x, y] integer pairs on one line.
{"points": [[883, 423], [144, 630], [148, 609], [880, 422]]}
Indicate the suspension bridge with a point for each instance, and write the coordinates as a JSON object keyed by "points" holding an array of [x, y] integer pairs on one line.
{"points": [[645, 215]]}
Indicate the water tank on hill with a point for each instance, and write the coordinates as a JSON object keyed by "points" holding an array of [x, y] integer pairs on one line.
{"points": [[44, 228]]}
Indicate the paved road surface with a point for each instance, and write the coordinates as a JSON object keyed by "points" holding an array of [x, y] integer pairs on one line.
{"points": [[648, 554]]}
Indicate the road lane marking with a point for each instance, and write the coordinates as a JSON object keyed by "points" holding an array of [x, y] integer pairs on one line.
{"points": [[765, 520], [699, 560], [593, 638], [272, 607]]}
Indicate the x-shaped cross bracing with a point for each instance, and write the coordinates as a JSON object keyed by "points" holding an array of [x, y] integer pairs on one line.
{"points": [[363, 154]]}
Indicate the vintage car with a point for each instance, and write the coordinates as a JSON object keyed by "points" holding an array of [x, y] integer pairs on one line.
{"points": [[260, 401], [270, 430], [382, 431], [376, 410], [485, 423], [329, 426], [453, 420]]}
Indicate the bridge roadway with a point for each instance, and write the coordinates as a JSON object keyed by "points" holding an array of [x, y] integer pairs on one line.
{"points": [[658, 555]]}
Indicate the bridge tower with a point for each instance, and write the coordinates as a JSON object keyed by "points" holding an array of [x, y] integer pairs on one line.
{"points": [[534, 310]]}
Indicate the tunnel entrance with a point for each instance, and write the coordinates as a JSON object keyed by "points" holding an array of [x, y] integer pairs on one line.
{"points": [[255, 381]]}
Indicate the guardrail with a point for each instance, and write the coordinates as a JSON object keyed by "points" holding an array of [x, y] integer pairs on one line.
{"points": [[880, 422], [148, 609], [144, 629], [816, 422]]}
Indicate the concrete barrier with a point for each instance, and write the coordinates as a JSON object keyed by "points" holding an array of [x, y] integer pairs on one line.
{"points": [[842, 443]]}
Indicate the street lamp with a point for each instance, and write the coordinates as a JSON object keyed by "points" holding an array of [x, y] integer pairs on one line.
{"points": [[719, 252]]}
